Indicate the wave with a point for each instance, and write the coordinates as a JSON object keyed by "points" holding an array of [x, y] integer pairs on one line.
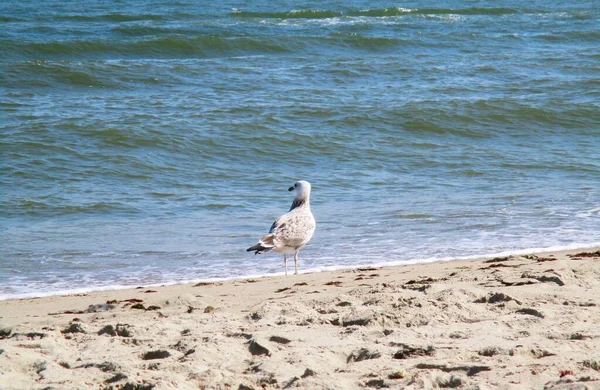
{"points": [[296, 14], [382, 12], [127, 137], [138, 30], [51, 208], [8, 18], [177, 46], [47, 74], [555, 115], [113, 17], [570, 36], [208, 45], [88, 73], [356, 41], [434, 11], [168, 46]]}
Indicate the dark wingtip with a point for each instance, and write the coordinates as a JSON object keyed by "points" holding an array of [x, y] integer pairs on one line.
{"points": [[258, 248]]}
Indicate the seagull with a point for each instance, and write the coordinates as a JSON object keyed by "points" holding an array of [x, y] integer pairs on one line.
{"points": [[290, 232]]}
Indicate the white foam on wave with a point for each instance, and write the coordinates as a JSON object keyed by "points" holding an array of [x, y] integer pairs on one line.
{"points": [[327, 268], [589, 213], [447, 17]]}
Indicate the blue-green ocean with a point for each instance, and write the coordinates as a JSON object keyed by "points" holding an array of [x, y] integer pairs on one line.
{"points": [[151, 142]]}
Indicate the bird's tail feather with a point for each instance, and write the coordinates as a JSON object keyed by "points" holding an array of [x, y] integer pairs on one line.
{"points": [[258, 248], [264, 245]]}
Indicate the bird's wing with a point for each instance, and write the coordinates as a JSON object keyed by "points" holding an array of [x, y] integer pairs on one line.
{"points": [[274, 226], [279, 226], [293, 229]]}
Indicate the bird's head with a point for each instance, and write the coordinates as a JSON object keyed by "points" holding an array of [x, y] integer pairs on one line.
{"points": [[301, 189]]}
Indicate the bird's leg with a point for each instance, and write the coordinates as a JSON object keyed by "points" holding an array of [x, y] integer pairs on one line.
{"points": [[296, 263], [285, 263]]}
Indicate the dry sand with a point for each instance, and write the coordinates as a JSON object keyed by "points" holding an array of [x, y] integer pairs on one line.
{"points": [[511, 323]]}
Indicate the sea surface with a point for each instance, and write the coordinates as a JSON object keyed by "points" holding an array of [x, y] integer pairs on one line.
{"points": [[152, 142]]}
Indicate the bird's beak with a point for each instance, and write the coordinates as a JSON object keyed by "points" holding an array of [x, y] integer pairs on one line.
{"points": [[291, 188]]}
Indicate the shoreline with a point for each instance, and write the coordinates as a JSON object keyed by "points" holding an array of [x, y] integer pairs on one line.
{"points": [[518, 321], [396, 263]]}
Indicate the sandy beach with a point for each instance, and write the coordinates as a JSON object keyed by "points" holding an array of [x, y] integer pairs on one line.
{"points": [[517, 322]]}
